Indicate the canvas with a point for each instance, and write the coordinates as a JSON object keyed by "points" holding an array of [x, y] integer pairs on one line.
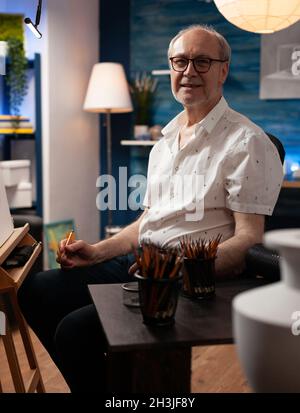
{"points": [[54, 233]]}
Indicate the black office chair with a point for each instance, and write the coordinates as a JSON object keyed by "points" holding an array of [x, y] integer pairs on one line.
{"points": [[278, 145], [259, 259]]}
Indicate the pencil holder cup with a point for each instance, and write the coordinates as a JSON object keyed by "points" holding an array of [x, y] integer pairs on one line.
{"points": [[198, 278], [158, 299]]}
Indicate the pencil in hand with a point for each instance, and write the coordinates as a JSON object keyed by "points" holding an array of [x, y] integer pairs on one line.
{"points": [[70, 238]]}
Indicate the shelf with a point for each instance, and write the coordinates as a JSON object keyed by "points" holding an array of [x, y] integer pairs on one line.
{"points": [[31, 132], [161, 72], [15, 132], [138, 143], [291, 184]]}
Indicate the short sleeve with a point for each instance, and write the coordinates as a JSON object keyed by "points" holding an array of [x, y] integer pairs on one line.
{"points": [[146, 201], [253, 175]]}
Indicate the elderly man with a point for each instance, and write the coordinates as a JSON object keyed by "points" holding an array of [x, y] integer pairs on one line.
{"points": [[242, 176]]}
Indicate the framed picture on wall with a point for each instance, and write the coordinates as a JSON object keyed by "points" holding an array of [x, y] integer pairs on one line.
{"points": [[280, 64], [54, 233]]}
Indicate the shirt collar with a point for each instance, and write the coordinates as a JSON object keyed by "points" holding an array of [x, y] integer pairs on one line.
{"points": [[213, 117], [208, 123], [174, 125]]}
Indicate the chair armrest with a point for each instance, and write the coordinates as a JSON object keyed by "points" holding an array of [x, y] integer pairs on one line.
{"points": [[264, 262]]}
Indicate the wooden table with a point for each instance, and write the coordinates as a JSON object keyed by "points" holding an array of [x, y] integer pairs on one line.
{"points": [[158, 359]]}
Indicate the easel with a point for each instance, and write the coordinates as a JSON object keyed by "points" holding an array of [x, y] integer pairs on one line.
{"points": [[10, 281]]}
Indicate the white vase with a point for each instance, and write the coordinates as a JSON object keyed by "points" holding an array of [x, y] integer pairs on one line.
{"points": [[3, 54], [141, 132], [266, 322]]}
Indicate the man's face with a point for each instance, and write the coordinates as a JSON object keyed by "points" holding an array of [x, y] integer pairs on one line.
{"points": [[191, 88]]}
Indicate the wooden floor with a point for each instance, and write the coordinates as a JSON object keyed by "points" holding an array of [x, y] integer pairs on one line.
{"points": [[53, 380], [214, 369]]}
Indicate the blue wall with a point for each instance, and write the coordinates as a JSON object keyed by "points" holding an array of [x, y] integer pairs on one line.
{"points": [[155, 22]]}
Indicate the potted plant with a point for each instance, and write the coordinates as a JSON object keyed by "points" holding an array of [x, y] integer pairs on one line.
{"points": [[142, 88], [11, 31], [16, 76], [3, 54]]}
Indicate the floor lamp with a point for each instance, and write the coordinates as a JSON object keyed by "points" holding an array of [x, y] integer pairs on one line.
{"points": [[108, 93]]}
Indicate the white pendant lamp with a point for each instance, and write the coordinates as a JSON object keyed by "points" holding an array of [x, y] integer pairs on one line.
{"points": [[260, 16]]}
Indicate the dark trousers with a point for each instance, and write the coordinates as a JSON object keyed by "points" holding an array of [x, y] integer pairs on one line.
{"points": [[58, 307]]}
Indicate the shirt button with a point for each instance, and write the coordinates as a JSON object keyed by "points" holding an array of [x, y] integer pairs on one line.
{"points": [[176, 168]]}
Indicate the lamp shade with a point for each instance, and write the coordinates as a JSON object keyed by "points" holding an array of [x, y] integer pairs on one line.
{"points": [[108, 90], [260, 16]]}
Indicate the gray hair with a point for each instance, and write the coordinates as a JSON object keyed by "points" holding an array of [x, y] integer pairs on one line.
{"points": [[225, 49]]}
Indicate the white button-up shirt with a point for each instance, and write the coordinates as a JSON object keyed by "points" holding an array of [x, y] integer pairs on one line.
{"points": [[229, 164]]}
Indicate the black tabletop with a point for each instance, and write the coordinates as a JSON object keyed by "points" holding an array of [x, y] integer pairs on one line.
{"points": [[196, 323]]}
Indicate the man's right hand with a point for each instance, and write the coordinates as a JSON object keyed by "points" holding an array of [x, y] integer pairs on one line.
{"points": [[77, 254]]}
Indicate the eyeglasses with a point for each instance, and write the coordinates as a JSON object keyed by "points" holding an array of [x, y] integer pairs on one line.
{"points": [[201, 64]]}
